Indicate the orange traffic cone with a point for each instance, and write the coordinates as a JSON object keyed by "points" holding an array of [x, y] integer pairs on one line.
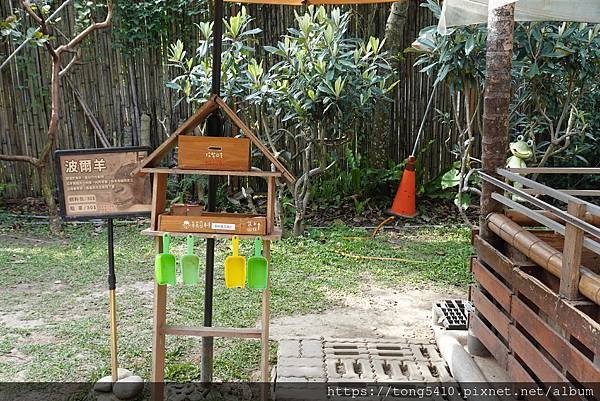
{"points": [[405, 201]]}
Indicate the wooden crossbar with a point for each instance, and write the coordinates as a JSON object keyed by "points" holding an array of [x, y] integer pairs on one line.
{"points": [[229, 332]]}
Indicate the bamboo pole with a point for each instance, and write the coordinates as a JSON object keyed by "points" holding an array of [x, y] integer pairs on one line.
{"points": [[541, 253]]}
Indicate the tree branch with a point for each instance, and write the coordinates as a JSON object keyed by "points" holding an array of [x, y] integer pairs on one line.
{"points": [[27, 159], [73, 61], [76, 41], [27, 7]]}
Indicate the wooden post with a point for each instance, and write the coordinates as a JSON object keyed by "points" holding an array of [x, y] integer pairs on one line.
{"points": [[159, 200], [158, 339], [270, 205], [571, 263], [264, 361]]}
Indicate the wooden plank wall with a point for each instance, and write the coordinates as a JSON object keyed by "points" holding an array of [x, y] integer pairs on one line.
{"points": [[120, 88], [533, 332]]}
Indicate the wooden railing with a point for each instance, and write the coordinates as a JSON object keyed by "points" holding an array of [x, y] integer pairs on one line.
{"points": [[577, 224], [561, 170]]}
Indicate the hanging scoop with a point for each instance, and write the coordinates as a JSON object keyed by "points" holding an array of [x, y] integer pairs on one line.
{"points": [[235, 267], [190, 263], [164, 264], [258, 267]]}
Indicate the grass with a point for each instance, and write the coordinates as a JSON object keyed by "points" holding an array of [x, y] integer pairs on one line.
{"points": [[54, 299]]}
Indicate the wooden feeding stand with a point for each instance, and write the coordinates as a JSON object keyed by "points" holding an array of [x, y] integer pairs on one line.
{"points": [[265, 229]]}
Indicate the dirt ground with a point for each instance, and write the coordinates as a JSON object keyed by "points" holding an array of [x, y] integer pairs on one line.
{"points": [[401, 312]]}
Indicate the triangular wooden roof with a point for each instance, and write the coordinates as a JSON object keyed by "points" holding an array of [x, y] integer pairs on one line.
{"points": [[214, 103]]}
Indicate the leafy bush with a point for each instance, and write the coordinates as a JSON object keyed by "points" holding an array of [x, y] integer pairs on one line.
{"points": [[239, 41], [322, 83], [151, 22], [556, 75]]}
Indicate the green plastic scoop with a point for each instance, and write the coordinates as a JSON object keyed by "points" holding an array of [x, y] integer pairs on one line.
{"points": [[190, 263], [164, 264], [258, 267]]}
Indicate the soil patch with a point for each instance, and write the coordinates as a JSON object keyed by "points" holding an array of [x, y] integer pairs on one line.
{"points": [[402, 311]]}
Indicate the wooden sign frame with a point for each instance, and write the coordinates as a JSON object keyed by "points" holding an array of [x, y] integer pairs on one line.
{"points": [[58, 154]]}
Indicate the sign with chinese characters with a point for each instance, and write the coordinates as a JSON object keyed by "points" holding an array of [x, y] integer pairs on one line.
{"points": [[98, 183], [207, 222]]}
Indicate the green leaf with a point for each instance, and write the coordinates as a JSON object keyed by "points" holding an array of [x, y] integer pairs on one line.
{"points": [[174, 85], [451, 179], [470, 45], [462, 201]]}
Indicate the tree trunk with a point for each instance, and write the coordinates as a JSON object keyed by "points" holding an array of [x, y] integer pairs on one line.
{"points": [[394, 30], [301, 193], [382, 125], [43, 163], [54, 221], [494, 141], [496, 104], [299, 225]]}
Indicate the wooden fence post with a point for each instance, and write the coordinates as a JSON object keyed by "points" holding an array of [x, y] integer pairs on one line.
{"points": [[570, 273]]}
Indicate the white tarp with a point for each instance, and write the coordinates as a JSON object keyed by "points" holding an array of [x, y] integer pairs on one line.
{"points": [[467, 12]]}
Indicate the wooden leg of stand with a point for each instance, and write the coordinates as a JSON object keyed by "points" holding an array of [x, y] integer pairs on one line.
{"points": [[158, 342], [264, 365], [159, 201]]}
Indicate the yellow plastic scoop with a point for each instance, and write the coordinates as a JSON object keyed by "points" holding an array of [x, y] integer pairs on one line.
{"points": [[235, 267]]}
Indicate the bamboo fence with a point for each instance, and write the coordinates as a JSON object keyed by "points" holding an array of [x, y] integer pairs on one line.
{"points": [[121, 98]]}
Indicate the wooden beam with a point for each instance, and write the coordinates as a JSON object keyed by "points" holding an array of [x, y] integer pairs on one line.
{"points": [[158, 339], [487, 337], [251, 173], [271, 187], [490, 311], [275, 234], [569, 357], [516, 372], [571, 262], [200, 115], [212, 332], [153, 158], [535, 360], [566, 315], [493, 285], [264, 361], [159, 199], [525, 220], [555, 170], [572, 192], [255, 140], [493, 258]]}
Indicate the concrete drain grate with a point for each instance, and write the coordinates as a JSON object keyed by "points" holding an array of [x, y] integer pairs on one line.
{"points": [[359, 360]]}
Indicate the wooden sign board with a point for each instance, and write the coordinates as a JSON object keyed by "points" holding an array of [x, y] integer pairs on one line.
{"points": [[97, 183], [228, 223]]}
